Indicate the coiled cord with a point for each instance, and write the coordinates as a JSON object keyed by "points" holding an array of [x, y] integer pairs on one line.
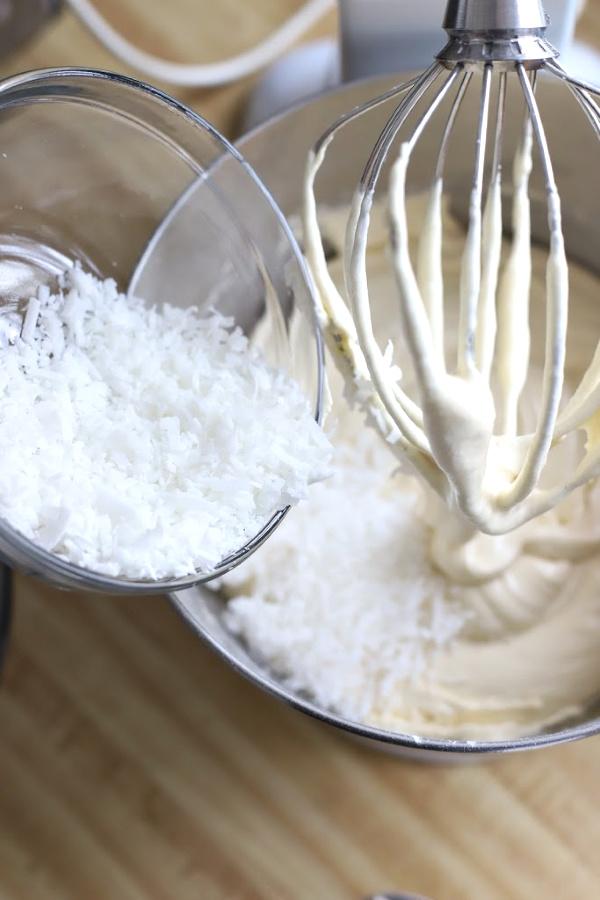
{"points": [[202, 75]]}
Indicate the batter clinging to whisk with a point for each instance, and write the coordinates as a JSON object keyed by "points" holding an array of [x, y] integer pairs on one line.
{"points": [[460, 428]]}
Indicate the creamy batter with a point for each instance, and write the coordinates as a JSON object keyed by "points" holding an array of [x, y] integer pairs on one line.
{"points": [[523, 652], [528, 655]]}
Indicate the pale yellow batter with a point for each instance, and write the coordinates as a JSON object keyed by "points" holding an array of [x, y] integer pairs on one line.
{"points": [[423, 624], [528, 655]]}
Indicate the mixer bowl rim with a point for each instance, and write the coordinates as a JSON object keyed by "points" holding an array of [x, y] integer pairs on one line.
{"points": [[409, 742]]}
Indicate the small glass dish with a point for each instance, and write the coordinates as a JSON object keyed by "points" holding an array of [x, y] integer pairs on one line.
{"points": [[92, 165]]}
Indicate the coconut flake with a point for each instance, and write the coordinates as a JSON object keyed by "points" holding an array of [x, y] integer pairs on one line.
{"points": [[146, 443]]}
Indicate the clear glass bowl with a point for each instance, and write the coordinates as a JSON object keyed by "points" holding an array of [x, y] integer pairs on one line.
{"points": [[92, 166]]}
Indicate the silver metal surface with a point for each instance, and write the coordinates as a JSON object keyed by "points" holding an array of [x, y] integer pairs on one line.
{"points": [[380, 37], [388, 36], [479, 50], [515, 16], [484, 31]]}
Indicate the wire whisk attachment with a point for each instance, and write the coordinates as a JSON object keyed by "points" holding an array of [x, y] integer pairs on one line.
{"points": [[460, 424]]}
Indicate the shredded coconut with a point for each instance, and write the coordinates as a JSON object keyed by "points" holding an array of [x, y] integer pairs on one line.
{"points": [[342, 603], [145, 443]]}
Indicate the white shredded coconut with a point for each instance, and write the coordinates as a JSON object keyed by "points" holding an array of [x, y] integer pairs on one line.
{"points": [[343, 604], [145, 443]]}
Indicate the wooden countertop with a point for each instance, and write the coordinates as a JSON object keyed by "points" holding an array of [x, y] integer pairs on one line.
{"points": [[134, 765]]}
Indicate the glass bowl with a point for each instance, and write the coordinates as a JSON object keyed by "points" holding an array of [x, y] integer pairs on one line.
{"points": [[92, 166]]}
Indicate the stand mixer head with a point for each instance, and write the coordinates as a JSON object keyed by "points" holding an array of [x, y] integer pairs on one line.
{"points": [[460, 426]]}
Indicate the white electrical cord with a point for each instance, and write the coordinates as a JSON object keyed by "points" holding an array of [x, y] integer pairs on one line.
{"points": [[210, 74]]}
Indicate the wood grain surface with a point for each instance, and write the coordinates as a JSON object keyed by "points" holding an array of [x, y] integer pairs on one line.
{"points": [[134, 765]]}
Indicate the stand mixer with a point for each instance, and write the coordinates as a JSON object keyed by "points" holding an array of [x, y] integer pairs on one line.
{"points": [[547, 738]]}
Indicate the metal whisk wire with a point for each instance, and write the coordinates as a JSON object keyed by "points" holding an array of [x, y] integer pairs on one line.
{"points": [[458, 462]]}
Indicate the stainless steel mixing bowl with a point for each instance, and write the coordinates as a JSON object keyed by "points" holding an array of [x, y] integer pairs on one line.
{"points": [[277, 151]]}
